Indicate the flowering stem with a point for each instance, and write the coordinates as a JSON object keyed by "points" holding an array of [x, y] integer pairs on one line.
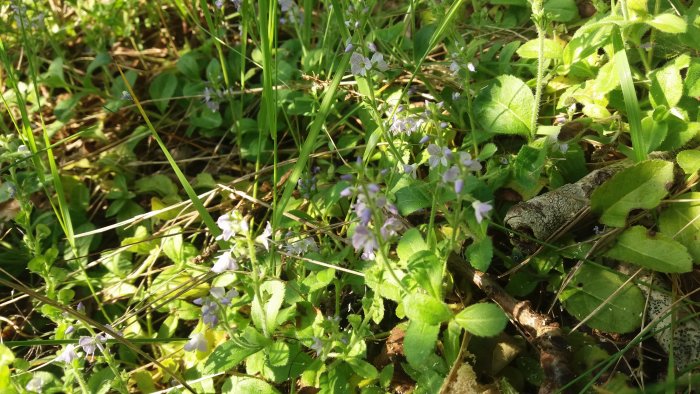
{"points": [[538, 18]]}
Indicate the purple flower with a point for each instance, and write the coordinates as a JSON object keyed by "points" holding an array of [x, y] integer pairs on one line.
{"points": [[410, 169], [425, 139], [225, 262], [264, 237], [362, 209], [89, 345], [456, 96], [359, 64], [459, 185], [197, 342], [348, 45], [363, 239], [438, 155], [470, 67], [80, 308], [372, 48], [481, 209], [317, 346], [299, 246], [391, 227], [231, 224], [466, 160], [451, 174], [378, 61], [68, 354], [35, 384]]}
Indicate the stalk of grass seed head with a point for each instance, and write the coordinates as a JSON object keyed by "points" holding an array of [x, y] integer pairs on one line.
{"points": [[538, 19]]}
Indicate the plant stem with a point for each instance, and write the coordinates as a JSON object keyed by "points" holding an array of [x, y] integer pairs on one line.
{"points": [[538, 19]]}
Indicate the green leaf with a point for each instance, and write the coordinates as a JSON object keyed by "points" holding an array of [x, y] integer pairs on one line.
{"points": [[411, 243], [692, 78], [654, 251], [264, 311], [228, 355], [592, 286], [421, 41], [425, 308], [480, 254], [412, 198], [689, 161], [247, 385], [669, 23], [681, 221], [157, 183], [278, 354], [639, 187], [654, 133], [162, 89], [561, 10], [187, 64], [666, 86], [482, 320], [530, 50], [505, 106], [426, 269], [362, 367], [419, 342]]}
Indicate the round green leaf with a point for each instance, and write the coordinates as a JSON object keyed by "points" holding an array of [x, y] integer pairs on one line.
{"points": [[592, 286], [680, 221], [162, 89], [483, 320], [505, 106], [655, 251], [426, 309], [641, 186], [530, 50]]}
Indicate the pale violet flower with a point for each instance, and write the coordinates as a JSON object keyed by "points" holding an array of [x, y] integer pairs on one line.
{"points": [[359, 64], [299, 246], [438, 155], [363, 239], [36, 384], [466, 160], [391, 227], [223, 296], [89, 345], [231, 223], [348, 45], [197, 342], [378, 61], [410, 169], [451, 174], [481, 209], [68, 354], [470, 67], [372, 48], [317, 346], [264, 238], [225, 262]]}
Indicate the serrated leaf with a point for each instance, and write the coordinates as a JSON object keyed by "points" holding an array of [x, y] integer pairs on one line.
{"points": [[419, 342], [639, 187], [362, 367], [426, 308], [411, 243], [480, 254], [227, 356], [654, 132], [592, 286], [412, 198], [666, 86], [669, 23], [689, 161], [654, 251], [426, 269], [681, 221], [264, 311], [483, 320], [530, 50], [505, 106], [561, 10], [162, 89]]}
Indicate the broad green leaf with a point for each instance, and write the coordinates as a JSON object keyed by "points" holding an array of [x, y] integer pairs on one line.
{"points": [[412, 198], [505, 106], [586, 41], [654, 251], [666, 86], [669, 23], [419, 342], [681, 221], [689, 161], [162, 89], [426, 269], [425, 308], [480, 254], [187, 64], [596, 111], [411, 243], [482, 320], [278, 354], [264, 311], [641, 186], [561, 10], [247, 385], [654, 132], [421, 41], [592, 286], [530, 50], [362, 367], [692, 78], [228, 355], [157, 183], [608, 79]]}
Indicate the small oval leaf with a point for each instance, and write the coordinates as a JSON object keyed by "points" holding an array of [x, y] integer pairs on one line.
{"points": [[654, 251], [426, 309], [483, 320]]}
